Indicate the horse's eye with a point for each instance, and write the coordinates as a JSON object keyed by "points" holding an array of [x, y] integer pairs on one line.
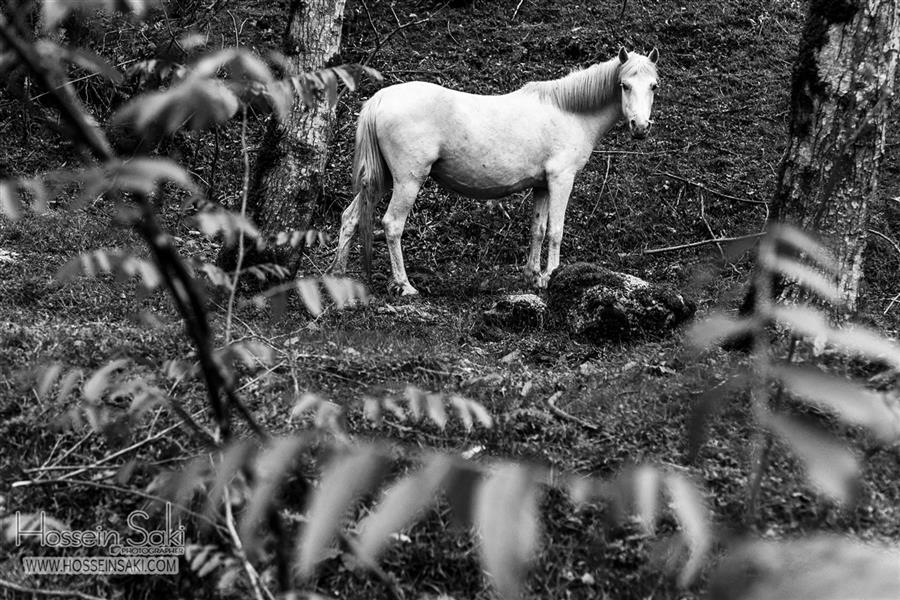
{"points": [[653, 87], [626, 87]]}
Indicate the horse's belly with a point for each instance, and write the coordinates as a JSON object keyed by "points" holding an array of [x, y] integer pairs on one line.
{"points": [[482, 181], [485, 190]]}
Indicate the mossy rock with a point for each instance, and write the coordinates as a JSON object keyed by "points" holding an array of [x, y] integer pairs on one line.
{"points": [[517, 312], [597, 304]]}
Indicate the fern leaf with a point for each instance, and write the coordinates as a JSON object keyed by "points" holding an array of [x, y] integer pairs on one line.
{"points": [[807, 245], [829, 465], [98, 382], [233, 459], [853, 403], [646, 494], [807, 277], [434, 408], [68, 384], [273, 466], [401, 504], [415, 401], [372, 409], [346, 77], [715, 329], [506, 514], [693, 516], [10, 205], [47, 377], [345, 479], [310, 295], [462, 408]]}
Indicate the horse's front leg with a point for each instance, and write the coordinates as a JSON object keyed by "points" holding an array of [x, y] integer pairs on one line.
{"points": [[402, 200], [560, 188], [538, 229], [349, 221]]}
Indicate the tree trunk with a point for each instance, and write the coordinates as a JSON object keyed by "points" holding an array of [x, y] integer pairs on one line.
{"points": [[841, 90], [286, 184]]}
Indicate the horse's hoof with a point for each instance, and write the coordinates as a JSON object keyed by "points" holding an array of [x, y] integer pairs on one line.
{"points": [[402, 289], [540, 281]]}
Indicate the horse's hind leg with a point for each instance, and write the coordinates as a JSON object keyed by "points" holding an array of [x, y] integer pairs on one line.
{"points": [[402, 200], [538, 229], [349, 221], [560, 188]]}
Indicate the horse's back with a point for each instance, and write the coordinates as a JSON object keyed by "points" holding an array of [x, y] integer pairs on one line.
{"points": [[478, 145]]}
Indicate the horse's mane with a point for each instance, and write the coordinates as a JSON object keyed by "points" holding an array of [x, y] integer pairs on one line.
{"points": [[588, 89]]}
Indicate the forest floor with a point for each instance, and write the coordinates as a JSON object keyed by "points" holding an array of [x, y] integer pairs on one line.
{"points": [[720, 127]]}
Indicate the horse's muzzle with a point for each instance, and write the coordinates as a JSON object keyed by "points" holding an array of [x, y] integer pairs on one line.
{"points": [[638, 131]]}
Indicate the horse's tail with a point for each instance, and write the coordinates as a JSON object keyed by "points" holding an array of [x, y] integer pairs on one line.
{"points": [[369, 170]]}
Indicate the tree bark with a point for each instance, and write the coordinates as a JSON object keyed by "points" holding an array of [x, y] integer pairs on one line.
{"points": [[841, 91], [286, 184]]}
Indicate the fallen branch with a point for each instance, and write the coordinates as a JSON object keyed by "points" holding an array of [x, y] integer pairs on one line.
{"points": [[10, 585], [697, 184], [724, 240], [558, 412], [897, 249]]}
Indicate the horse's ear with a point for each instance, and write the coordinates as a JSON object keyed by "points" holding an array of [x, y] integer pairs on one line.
{"points": [[654, 55], [623, 55]]}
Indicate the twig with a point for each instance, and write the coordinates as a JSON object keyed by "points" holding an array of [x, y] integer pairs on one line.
{"points": [[371, 22], [450, 33], [634, 152], [712, 191], [245, 190], [518, 6], [395, 592], [761, 464], [551, 404], [724, 240], [397, 30], [891, 303], [705, 222], [252, 574], [887, 239], [897, 248], [110, 457], [16, 587], [600, 195], [396, 18], [115, 488]]}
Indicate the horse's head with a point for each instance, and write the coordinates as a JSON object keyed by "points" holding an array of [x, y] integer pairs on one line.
{"points": [[637, 78]]}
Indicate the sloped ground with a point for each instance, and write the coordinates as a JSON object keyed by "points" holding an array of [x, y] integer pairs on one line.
{"points": [[720, 122]]}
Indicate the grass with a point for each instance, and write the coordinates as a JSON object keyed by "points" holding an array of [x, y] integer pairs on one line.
{"points": [[720, 122]]}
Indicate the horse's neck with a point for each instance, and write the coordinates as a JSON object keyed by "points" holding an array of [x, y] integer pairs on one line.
{"points": [[599, 122]]}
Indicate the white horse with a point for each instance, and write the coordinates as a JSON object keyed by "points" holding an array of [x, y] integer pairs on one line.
{"points": [[539, 137]]}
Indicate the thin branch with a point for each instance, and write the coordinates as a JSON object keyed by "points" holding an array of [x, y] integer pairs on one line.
{"points": [[371, 22], [723, 240], [61, 96], [887, 239], [16, 587], [602, 188], [397, 30], [897, 249], [259, 589], [551, 404], [115, 488], [176, 277], [518, 6], [712, 191], [245, 191], [118, 453], [706, 222]]}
